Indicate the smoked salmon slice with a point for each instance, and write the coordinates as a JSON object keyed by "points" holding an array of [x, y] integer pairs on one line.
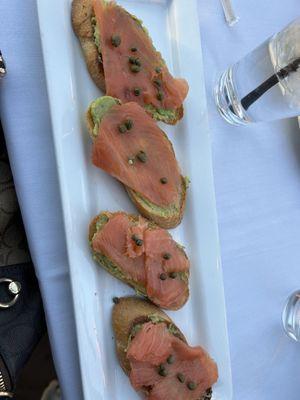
{"points": [[141, 157], [131, 244], [166, 367], [112, 242], [133, 69], [168, 290]]}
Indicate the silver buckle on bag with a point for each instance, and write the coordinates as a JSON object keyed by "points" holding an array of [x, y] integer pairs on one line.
{"points": [[13, 288]]}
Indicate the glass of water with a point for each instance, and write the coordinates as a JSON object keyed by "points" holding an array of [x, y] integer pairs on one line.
{"points": [[291, 316], [265, 84]]}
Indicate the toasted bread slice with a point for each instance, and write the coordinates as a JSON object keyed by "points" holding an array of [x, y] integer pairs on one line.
{"points": [[131, 311], [82, 14], [84, 27], [166, 217]]}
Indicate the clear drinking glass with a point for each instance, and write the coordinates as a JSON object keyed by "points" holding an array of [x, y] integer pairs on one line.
{"points": [[291, 316], [265, 84]]}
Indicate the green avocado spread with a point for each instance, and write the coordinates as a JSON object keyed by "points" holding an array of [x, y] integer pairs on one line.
{"points": [[187, 182], [101, 221], [140, 22], [160, 114], [109, 265], [165, 212], [156, 319], [114, 270], [99, 108], [96, 34]]}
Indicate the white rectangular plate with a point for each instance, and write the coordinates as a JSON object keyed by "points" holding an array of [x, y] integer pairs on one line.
{"points": [[86, 190]]}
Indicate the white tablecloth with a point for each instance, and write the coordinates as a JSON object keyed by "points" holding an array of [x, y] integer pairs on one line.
{"points": [[257, 179], [26, 123]]}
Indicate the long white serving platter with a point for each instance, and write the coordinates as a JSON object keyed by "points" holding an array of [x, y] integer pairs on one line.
{"points": [[86, 190]]}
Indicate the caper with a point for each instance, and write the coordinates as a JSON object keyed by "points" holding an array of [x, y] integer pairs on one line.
{"points": [[122, 128], [141, 156], [191, 385], [167, 256], [135, 68], [137, 91], [116, 40], [128, 124]]}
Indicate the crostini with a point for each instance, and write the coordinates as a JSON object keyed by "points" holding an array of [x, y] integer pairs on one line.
{"points": [[142, 255], [123, 61], [155, 355]]}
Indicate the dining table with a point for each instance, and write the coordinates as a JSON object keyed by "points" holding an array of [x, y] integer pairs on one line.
{"points": [[257, 185]]}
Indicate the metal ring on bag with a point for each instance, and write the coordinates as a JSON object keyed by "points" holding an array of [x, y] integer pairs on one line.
{"points": [[14, 288], [6, 394]]}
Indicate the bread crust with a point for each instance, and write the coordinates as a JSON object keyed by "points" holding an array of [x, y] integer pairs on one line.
{"points": [[81, 14]]}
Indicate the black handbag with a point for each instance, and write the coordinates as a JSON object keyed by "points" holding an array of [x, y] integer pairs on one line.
{"points": [[22, 322]]}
